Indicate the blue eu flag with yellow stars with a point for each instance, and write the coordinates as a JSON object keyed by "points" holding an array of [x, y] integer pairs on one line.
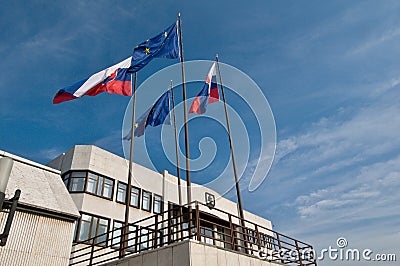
{"points": [[164, 45], [156, 115]]}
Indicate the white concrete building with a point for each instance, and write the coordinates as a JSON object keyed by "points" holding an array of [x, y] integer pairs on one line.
{"points": [[97, 182], [43, 225]]}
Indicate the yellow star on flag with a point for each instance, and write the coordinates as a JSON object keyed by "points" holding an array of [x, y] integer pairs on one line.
{"points": [[136, 125], [147, 50], [165, 34]]}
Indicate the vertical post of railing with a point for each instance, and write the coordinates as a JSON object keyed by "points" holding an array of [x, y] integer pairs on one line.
{"points": [[198, 222], [91, 252], [298, 253], [258, 238], [137, 247], [155, 231], [280, 246], [169, 224], [231, 231]]}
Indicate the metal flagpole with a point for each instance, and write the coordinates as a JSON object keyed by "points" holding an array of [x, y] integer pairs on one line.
{"points": [[178, 170], [125, 229], [240, 208], [189, 191]]}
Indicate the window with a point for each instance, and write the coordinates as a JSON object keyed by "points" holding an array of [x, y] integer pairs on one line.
{"points": [[144, 239], [158, 204], [116, 236], [100, 185], [91, 226], [75, 181], [92, 183], [132, 238], [146, 201], [121, 192], [135, 197]]}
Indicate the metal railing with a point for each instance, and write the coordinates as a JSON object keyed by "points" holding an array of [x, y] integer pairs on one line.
{"points": [[210, 226]]}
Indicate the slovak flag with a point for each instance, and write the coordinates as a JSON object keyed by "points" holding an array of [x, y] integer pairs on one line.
{"points": [[208, 94], [114, 80]]}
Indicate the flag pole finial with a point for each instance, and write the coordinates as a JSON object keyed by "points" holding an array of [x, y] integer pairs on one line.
{"points": [[216, 55]]}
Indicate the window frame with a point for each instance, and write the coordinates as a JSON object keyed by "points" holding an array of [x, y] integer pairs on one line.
{"points": [[85, 190], [150, 200], [69, 178], [126, 192], [139, 197], [161, 203], [78, 229], [112, 244]]}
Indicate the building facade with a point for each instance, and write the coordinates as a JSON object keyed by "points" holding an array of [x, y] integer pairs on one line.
{"points": [[44, 222], [97, 182]]}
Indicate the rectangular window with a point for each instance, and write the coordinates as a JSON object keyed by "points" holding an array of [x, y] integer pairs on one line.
{"points": [[93, 226], [146, 201], [121, 192], [135, 197], [92, 183], [132, 238], [100, 185], [116, 235], [158, 204], [77, 181]]}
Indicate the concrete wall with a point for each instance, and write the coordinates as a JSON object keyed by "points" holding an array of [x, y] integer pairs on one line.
{"points": [[36, 240], [190, 253]]}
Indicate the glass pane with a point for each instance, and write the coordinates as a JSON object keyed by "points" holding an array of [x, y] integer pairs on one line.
{"points": [[108, 186], [78, 174], [121, 193], [116, 234], [157, 204], [101, 232], [84, 231], [135, 197], [95, 222], [77, 184], [92, 183], [132, 238], [100, 186], [146, 201], [144, 239]]}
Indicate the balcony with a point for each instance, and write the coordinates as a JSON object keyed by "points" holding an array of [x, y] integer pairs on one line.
{"points": [[195, 222]]}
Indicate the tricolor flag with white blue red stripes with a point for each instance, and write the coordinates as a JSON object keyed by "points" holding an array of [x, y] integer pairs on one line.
{"points": [[114, 80], [117, 79], [208, 94]]}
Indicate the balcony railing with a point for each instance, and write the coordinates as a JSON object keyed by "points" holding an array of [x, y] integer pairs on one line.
{"points": [[198, 222]]}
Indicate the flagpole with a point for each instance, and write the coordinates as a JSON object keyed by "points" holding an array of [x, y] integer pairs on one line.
{"points": [[240, 208], [188, 184], [178, 170], [125, 229]]}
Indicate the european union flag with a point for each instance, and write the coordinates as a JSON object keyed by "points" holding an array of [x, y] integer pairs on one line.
{"points": [[156, 115], [164, 45]]}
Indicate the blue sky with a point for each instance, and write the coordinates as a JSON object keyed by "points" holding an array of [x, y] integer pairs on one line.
{"points": [[329, 70]]}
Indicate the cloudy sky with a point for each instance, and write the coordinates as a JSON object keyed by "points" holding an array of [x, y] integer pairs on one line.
{"points": [[329, 69]]}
